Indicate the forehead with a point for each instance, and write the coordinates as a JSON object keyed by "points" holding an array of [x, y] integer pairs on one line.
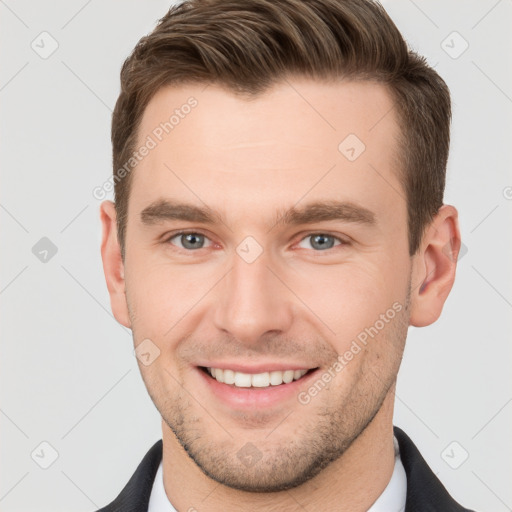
{"points": [[300, 139]]}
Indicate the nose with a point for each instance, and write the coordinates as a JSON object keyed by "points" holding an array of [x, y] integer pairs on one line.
{"points": [[253, 301]]}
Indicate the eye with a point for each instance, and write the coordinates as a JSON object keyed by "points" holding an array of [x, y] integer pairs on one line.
{"points": [[320, 241], [189, 240]]}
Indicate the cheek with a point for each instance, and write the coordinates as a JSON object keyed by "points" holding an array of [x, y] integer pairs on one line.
{"points": [[340, 300], [160, 295], [347, 297]]}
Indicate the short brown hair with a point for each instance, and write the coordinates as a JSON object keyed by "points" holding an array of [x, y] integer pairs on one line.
{"points": [[250, 45]]}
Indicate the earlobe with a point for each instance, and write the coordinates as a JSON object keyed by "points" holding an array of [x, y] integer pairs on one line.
{"points": [[113, 265], [434, 267]]}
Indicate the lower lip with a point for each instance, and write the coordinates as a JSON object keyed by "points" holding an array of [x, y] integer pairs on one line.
{"points": [[251, 398]]}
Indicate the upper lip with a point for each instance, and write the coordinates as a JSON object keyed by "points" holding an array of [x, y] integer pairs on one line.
{"points": [[257, 368]]}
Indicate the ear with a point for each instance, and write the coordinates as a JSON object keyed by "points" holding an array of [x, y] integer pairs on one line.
{"points": [[433, 268], [113, 265]]}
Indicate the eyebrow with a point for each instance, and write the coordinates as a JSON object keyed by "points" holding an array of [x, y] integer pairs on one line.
{"points": [[163, 210], [324, 211]]}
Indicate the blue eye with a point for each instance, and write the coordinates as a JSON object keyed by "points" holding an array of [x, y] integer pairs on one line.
{"points": [[190, 240], [321, 241]]}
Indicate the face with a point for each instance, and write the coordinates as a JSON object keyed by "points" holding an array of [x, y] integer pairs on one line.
{"points": [[267, 238]]}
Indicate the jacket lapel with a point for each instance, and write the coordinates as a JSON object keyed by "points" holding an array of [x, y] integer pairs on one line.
{"points": [[135, 495], [425, 493]]}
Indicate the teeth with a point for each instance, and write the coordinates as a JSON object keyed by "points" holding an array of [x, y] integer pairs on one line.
{"points": [[288, 376], [255, 380], [260, 380], [276, 378], [229, 376], [242, 380]]}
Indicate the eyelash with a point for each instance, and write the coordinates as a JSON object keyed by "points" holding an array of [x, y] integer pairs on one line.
{"points": [[168, 239]]}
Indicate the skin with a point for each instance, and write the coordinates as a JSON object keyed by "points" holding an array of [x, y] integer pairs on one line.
{"points": [[248, 160]]}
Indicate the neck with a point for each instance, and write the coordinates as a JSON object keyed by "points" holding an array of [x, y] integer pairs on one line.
{"points": [[351, 483]]}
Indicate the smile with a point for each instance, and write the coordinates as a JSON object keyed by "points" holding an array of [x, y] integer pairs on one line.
{"points": [[255, 380]]}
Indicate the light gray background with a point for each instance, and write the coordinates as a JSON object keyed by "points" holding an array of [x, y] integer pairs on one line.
{"points": [[68, 374]]}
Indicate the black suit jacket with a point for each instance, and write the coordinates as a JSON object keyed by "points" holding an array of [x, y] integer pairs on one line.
{"points": [[425, 493]]}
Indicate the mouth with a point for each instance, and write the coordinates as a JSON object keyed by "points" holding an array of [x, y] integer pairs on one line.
{"points": [[267, 379]]}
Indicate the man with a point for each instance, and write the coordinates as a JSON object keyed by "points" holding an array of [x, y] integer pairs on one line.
{"points": [[278, 224]]}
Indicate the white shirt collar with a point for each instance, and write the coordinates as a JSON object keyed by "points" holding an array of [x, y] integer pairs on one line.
{"points": [[392, 498], [158, 501]]}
